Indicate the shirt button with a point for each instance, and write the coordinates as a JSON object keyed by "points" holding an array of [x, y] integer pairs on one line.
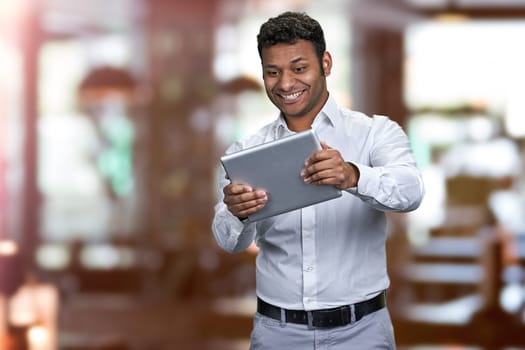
{"points": [[309, 269]]}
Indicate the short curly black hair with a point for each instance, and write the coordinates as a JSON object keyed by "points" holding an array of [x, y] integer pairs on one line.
{"points": [[288, 28]]}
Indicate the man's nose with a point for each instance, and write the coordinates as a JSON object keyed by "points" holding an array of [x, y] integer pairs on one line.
{"points": [[286, 81]]}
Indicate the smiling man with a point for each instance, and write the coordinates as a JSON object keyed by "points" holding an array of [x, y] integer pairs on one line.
{"points": [[321, 273]]}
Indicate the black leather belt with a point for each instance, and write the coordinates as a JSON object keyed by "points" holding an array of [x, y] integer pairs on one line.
{"points": [[326, 318]]}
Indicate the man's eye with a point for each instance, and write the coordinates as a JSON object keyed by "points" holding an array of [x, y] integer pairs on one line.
{"points": [[272, 73], [300, 69]]}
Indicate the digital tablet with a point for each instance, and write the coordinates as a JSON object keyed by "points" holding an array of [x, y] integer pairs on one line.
{"points": [[275, 167]]}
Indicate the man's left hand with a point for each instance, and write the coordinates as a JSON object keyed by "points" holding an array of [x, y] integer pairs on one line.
{"points": [[327, 167]]}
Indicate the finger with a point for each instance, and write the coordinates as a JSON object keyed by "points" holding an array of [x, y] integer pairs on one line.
{"points": [[247, 207], [233, 189], [233, 199], [248, 212], [326, 152], [320, 177], [326, 172], [325, 146], [318, 166]]}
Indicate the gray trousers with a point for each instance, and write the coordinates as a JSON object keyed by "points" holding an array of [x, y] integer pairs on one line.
{"points": [[374, 331]]}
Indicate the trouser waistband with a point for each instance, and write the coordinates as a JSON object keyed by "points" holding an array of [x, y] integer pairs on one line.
{"points": [[325, 318]]}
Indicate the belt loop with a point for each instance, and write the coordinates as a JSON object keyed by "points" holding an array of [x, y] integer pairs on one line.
{"points": [[283, 318], [352, 314], [310, 320]]}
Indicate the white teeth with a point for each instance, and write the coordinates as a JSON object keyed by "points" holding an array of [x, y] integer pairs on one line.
{"points": [[292, 96]]}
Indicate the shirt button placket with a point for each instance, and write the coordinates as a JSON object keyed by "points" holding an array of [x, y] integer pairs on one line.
{"points": [[308, 240]]}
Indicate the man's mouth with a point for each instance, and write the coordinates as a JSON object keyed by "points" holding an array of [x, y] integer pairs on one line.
{"points": [[291, 97]]}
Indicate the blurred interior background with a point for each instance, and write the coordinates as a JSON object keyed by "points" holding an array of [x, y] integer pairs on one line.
{"points": [[113, 115]]}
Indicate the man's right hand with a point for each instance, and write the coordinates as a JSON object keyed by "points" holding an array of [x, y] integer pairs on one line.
{"points": [[243, 200]]}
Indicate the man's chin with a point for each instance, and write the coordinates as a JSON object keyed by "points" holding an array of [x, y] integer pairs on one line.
{"points": [[290, 109]]}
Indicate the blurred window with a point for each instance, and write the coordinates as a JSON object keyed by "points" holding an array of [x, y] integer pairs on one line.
{"points": [[463, 84], [86, 138], [11, 129], [468, 63]]}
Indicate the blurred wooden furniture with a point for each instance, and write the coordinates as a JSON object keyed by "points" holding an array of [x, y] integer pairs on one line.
{"points": [[451, 291]]}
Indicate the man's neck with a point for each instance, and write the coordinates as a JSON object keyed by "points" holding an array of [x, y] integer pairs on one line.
{"points": [[298, 124]]}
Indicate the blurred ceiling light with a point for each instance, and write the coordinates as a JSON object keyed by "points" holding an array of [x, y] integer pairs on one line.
{"points": [[508, 208], [107, 256], [8, 247], [52, 256], [511, 297], [34, 308], [480, 128], [99, 256], [515, 111], [38, 336]]}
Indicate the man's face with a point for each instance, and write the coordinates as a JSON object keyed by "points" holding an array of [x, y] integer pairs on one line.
{"points": [[293, 78]]}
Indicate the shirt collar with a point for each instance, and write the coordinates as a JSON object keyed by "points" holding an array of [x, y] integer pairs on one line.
{"points": [[329, 116]]}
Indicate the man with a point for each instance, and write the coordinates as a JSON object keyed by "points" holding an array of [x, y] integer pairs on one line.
{"points": [[321, 270]]}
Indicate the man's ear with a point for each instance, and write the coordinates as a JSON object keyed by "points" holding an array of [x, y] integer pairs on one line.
{"points": [[326, 63]]}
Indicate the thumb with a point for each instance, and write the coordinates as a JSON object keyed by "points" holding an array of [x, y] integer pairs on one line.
{"points": [[324, 146]]}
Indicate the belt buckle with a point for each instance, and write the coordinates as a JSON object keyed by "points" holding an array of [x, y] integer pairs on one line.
{"points": [[340, 316], [337, 317]]}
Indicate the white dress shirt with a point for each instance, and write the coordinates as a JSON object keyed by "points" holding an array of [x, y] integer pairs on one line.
{"points": [[332, 253]]}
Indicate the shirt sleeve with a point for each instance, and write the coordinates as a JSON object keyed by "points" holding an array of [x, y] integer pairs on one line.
{"points": [[230, 233], [391, 181]]}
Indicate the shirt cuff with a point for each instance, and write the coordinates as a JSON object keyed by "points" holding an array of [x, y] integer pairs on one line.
{"points": [[368, 181], [237, 224]]}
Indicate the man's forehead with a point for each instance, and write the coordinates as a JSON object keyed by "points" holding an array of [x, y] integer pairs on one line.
{"points": [[290, 53]]}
